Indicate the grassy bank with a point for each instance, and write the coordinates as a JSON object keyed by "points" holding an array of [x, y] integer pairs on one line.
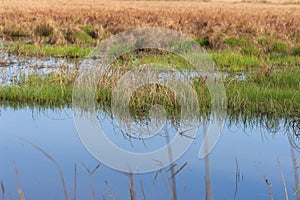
{"points": [[235, 58], [274, 94]]}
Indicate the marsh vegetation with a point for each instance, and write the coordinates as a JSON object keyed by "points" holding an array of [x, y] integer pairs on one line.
{"points": [[256, 48]]}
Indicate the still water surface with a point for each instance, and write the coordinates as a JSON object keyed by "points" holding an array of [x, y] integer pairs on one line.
{"points": [[238, 166]]}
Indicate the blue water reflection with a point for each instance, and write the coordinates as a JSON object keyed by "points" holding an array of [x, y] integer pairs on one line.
{"points": [[239, 164]]}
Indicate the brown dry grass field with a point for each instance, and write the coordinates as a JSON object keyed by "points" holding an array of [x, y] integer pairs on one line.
{"points": [[57, 21]]}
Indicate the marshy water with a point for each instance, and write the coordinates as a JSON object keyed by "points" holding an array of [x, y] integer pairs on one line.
{"points": [[256, 158], [250, 161], [15, 68]]}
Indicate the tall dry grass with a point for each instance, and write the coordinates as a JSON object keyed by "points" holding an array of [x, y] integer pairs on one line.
{"points": [[214, 21]]}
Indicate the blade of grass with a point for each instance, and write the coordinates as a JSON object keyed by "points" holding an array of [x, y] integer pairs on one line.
{"points": [[20, 192], [109, 190], [132, 187], [75, 181], [173, 175]]}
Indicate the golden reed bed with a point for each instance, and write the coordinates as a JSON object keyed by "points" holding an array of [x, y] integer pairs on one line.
{"points": [[212, 20]]}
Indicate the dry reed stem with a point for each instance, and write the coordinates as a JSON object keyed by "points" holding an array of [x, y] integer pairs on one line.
{"points": [[295, 167], [283, 180], [20, 192], [142, 187], [132, 187], [109, 190], [49, 157], [179, 170], [91, 178], [237, 177], [75, 181]]}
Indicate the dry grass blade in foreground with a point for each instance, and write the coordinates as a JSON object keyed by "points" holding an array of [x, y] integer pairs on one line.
{"points": [[54, 162]]}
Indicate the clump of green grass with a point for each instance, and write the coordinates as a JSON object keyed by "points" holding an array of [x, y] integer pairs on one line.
{"points": [[77, 36], [83, 37], [277, 48], [276, 95], [250, 51], [231, 41], [296, 51], [233, 60], [90, 31], [203, 41], [263, 41]]}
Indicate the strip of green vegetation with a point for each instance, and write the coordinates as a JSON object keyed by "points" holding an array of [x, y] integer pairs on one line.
{"points": [[275, 94], [225, 60], [233, 60], [245, 58]]}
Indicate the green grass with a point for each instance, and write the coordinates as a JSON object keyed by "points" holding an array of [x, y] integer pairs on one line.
{"points": [[276, 94], [237, 53], [202, 41], [296, 51], [234, 60]]}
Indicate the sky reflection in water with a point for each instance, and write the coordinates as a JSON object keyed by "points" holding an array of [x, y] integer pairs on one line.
{"points": [[255, 152]]}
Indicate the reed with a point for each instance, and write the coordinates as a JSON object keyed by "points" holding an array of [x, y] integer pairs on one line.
{"points": [[92, 21]]}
